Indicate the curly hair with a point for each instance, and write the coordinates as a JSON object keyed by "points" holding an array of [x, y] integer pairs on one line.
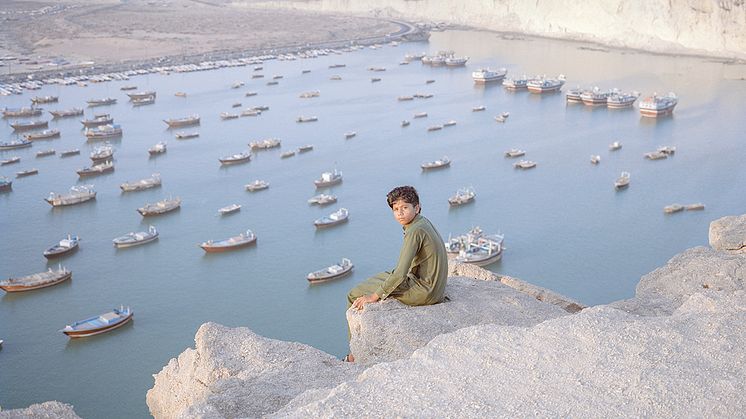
{"points": [[407, 193]]}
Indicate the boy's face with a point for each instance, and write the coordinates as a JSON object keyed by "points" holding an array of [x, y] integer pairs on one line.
{"points": [[404, 212]]}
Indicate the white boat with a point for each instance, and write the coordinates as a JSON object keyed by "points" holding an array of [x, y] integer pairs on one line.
{"points": [[462, 196], [502, 117], [337, 217], [311, 94], [519, 83], [478, 108], [227, 115], [485, 75], [265, 144], [655, 106], [230, 209], [76, 195], [655, 155], [307, 119], [103, 131], [420, 115], [482, 252], [514, 152], [158, 148], [242, 157], [449, 123], [96, 169], [182, 122], [670, 209], [142, 184], [595, 97], [595, 159], [102, 153], [619, 100], [106, 322], [322, 199], [616, 145], [331, 272], [666, 149], [525, 164], [136, 239], [546, 85], [436, 164], [257, 185], [328, 179], [350, 134], [456, 61], [622, 181], [160, 207], [186, 135], [242, 240]]}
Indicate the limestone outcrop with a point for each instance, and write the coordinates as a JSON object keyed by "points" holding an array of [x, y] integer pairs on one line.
{"points": [[727, 234], [46, 410]]}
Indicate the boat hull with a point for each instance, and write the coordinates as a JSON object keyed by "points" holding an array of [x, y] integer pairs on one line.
{"points": [[221, 249], [330, 277], [21, 288], [655, 113], [485, 261], [97, 331], [137, 243], [57, 253]]}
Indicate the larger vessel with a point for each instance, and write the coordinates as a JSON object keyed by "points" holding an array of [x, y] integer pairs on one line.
{"points": [[99, 324], [337, 217], [28, 125], [242, 240], [482, 252], [96, 169], [436, 164], [77, 194], [485, 75], [243, 157], [518, 83], [21, 112], [141, 95], [328, 179], [265, 144], [37, 100], [37, 280], [462, 196], [10, 145], [66, 113], [160, 207], [546, 85], [103, 153], [104, 131], [43, 135], [331, 272], [65, 246], [655, 106], [594, 97], [142, 184], [182, 122], [98, 119], [101, 102], [135, 239], [618, 100]]}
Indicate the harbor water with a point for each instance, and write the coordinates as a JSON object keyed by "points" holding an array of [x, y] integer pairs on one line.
{"points": [[566, 228]]}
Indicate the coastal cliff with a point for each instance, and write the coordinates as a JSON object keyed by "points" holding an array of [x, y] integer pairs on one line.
{"points": [[701, 27], [499, 348]]}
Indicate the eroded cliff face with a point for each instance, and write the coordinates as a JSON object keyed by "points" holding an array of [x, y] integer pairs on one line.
{"points": [[704, 27]]}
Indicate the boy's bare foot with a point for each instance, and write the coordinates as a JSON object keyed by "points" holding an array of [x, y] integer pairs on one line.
{"points": [[349, 358]]}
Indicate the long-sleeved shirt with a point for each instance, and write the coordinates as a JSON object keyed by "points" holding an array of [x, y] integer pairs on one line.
{"points": [[423, 260]]}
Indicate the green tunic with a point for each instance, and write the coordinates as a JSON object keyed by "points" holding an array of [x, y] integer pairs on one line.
{"points": [[421, 273]]}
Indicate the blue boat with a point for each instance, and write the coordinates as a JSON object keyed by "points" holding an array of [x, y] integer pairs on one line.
{"points": [[99, 324]]}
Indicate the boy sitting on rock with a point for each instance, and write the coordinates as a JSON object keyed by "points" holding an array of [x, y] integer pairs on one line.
{"points": [[421, 273]]}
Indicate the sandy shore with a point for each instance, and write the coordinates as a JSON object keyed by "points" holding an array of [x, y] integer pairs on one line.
{"points": [[68, 33]]}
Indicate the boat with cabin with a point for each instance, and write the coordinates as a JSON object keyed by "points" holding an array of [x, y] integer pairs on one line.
{"points": [[38, 100], [158, 148], [478, 108], [485, 75], [43, 135], [655, 106], [454, 61], [249, 94], [670, 209], [21, 112], [350, 134], [136, 239], [77, 195], [148, 100], [98, 119], [310, 94], [404, 98], [102, 153], [514, 152], [436, 164], [242, 240], [96, 169], [482, 252], [420, 115], [230, 209], [337, 217], [45, 153], [546, 85], [322, 199], [160, 207], [65, 113], [257, 185], [69, 153], [622, 181], [616, 145], [574, 95], [518, 83], [186, 135], [594, 97], [307, 119], [101, 102], [227, 115], [694, 207], [37, 280], [619, 100], [10, 145], [139, 185], [287, 154], [104, 131], [142, 95], [128, 87], [29, 125], [595, 159], [103, 323], [404, 123], [655, 155], [462, 196], [182, 122], [27, 172], [64, 247], [525, 164], [449, 123], [265, 144], [12, 160], [435, 128], [502, 117], [335, 271], [5, 184], [328, 179], [243, 157], [305, 148]]}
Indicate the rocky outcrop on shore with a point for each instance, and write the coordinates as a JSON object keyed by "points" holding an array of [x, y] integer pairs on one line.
{"points": [[675, 349], [46, 410], [704, 27]]}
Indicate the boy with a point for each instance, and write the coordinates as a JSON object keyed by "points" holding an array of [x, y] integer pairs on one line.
{"points": [[421, 273]]}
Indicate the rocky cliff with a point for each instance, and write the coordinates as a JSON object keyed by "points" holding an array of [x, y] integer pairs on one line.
{"points": [[498, 348], [706, 27]]}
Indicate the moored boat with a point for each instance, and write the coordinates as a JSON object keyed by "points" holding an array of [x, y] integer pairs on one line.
{"points": [[622, 181], [44, 153], [28, 172], [420, 115], [136, 239], [142, 95], [322, 199], [14, 159], [655, 106], [307, 119], [98, 119], [5, 184], [227, 115], [666, 149], [106, 322], [287, 154], [328, 179], [10, 145], [435, 128], [186, 135], [158, 148], [21, 112], [265, 144], [404, 123], [103, 131], [96, 169], [257, 185], [518, 83], [71, 152], [148, 100], [595, 97], [142, 184], [574, 95], [38, 100], [242, 240], [66, 113], [331, 272], [311, 94], [655, 155], [337, 217], [454, 61], [65, 246], [670, 209], [77, 194], [618, 100], [230, 209], [485, 75], [694, 207], [514, 152], [482, 252], [350, 134], [36, 281], [102, 153], [478, 108], [182, 122], [525, 164], [180, 94], [305, 148], [449, 123], [545, 85], [462, 196], [43, 135], [436, 164], [242, 157], [101, 102], [595, 159], [160, 207], [616, 145], [28, 125]]}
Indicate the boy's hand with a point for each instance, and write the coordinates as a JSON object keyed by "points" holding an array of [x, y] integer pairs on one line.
{"points": [[365, 299]]}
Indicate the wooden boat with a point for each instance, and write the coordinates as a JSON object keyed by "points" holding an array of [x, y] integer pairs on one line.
{"points": [[10, 145], [328, 179], [139, 185], [38, 100], [103, 131], [514, 152], [237, 158], [514, 84], [287, 154], [257, 185], [485, 75], [482, 252], [694, 207], [265, 144], [272, 83], [141, 95], [594, 97], [43, 135], [404, 123], [148, 100], [618, 100], [68, 153], [103, 153], [423, 95], [242, 240], [405, 98], [158, 148], [436, 164], [545, 85], [525, 164], [160, 207], [655, 106], [337, 217], [180, 94], [96, 169], [77, 194], [136, 239], [227, 115], [14, 159], [666, 149], [670, 209], [98, 119], [435, 128], [128, 87], [28, 125], [322, 199], [44, 153], [305, 148], [420, 115], [65, 246], [622, 181], [66, 113], [37, 280], [28, 172], [5, 184], [186, 135], [478, 108], [251, 112], [335, 271], [182, 122], [462, 196], [106, 322], [449, 123], [21, 112], [101, 102], [616, 145], [350, 134], [311, 94], [595, 159], [655, 155], [306, 119], [230, 209], [249, 94]]}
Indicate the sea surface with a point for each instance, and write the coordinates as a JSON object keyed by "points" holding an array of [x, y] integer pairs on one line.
{"points": [[565, 226]]}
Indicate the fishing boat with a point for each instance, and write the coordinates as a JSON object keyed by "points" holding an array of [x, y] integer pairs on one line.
{"points": [[546, 85], [311, 94], [338, 65], [249, 94], [622, 181], [337, 270], [28, 172], [375, 79], [186, 135], [44, 153], [502, 117], [322, 199], [77, 194], [307, 119], [103, 131], [243, 157], [65, 246], [101, 102], [404, 123], [478, 108], [423, 95], [158, 148], [574, 95], [519, 83], [619, 100], [655, 155], [328, 179], [37, 280], [21, 112], [182, 122], [404, 98], [106, 322], [337, 217], [287, 154], [96, 169], [485, 75], [524, 164], [694, 207], [128, 87], [435, 128], [257, 185], [305, 148], [436, 164], [420, 115], [142, 95], [482, 252], [71, 152], [242, 240], [595, 159], [14, 159], [655, 106], [429, 81], [102, 153], [449, 123], [670, 209], [10, 145], [237, 85], [230, 209], [136, 239], [616, 145], [28, 125], [514, 152], [594, 97], [160, 207], [148, 100], [350, 134], [5, 184], [265, 144], [66, 113], [43, 135], [139, 185], [98, 119], [272, 83], [251, 112], [227, 115], [456, 61], [180, 94], [462, 196], [38, 100]]}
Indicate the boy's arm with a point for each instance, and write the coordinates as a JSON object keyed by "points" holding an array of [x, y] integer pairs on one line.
{"points": [[410, 247]]}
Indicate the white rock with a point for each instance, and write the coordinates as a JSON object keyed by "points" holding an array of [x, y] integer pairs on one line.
{"points": [[46, 410], [729, 234]]}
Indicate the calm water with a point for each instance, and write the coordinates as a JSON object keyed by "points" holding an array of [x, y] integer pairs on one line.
{"points": [[566, 228]]}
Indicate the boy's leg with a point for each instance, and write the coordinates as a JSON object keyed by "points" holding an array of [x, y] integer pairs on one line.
{"points": [[369, 286]]}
